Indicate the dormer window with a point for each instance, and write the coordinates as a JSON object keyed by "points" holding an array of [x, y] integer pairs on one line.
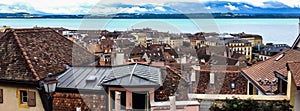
{"points": [[212, 78], [91, 78], [279, 57], [232, 85]]}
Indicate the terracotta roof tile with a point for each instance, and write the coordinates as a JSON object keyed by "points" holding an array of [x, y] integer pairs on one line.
{"points": [[94, 48], [295, 71], [173, 82], [224, 75], [265, 69], [35, 52]]}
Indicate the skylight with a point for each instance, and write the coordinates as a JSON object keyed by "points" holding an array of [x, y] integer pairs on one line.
{"points": [[91, 78], [279, 57]]}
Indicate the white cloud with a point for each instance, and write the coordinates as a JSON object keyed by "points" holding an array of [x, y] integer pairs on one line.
{"points": [[260, 3], [231, 7], [246, 6], [160, 9], [291, 3], [136, 9], [75, 6], [208, 8]]}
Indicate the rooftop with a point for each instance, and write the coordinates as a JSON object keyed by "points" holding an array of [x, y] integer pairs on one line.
{"points": [[295, 71], [133, 75], [93, 78], [30, 54], [265, 69]]}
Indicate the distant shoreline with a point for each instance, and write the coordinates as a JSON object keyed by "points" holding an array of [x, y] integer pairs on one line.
{"points": [[153, 16], [157, 18]]}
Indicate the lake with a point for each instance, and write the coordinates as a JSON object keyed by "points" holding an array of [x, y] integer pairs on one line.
{"points": [[272, 30]]}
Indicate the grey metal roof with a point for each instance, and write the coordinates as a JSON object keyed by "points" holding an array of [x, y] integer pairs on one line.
{"points": [[82, 78], [92, 78], [134, 75]]}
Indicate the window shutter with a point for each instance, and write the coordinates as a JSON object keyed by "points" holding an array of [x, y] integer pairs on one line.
{"points": [[31, 98], [1, 95]]}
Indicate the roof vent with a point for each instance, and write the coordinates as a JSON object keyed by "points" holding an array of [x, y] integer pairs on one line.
{"points": [[91, 78], [279, 57]]}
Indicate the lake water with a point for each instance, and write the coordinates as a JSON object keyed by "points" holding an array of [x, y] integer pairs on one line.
{"points": [[272, 30]]}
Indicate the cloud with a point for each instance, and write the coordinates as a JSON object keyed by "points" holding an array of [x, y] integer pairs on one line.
{"points": [[136, 9], [231, 7], [264, 3], [113, 6], [246, 6], [125, 8], [160, 8], [208, 7], [188, 7]]}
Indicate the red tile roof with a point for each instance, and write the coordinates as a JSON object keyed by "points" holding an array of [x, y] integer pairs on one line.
{"points": [[30, 54], [224, 75], [265, 69], [173, 82], [295, 71], [86, 101]]}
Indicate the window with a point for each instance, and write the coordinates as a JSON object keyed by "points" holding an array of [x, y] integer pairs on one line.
{"points": [[232, 85], [23, 97], [26, 98], [212, 78]]}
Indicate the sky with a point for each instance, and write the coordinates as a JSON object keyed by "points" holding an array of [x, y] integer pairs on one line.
{"points": [[133, 6]]}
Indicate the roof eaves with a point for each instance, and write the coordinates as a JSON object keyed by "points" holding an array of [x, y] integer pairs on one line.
{"points": [[280, 76], [4, 34], [159, 82], [253, 83], [26, 56]]}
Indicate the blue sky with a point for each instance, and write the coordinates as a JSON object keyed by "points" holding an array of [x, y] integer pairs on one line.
{"points": [[146, 6]]}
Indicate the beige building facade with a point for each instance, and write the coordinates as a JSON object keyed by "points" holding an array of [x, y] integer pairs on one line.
{"points": [[19, 98], [242, 47]]}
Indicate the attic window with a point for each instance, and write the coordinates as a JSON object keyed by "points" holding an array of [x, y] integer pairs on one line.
{"points": [[232, 85], [91, 78], [212, 78], [279, 57]]}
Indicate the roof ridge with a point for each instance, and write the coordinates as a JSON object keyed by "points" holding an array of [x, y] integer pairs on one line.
{"points": [[25, 56], [3, 35], [289, 62], [30, 29], [74, 43], [268, 59], [176, 72]]}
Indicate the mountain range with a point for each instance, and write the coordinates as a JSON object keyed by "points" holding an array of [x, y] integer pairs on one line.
{"points": [[168, 8]]}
